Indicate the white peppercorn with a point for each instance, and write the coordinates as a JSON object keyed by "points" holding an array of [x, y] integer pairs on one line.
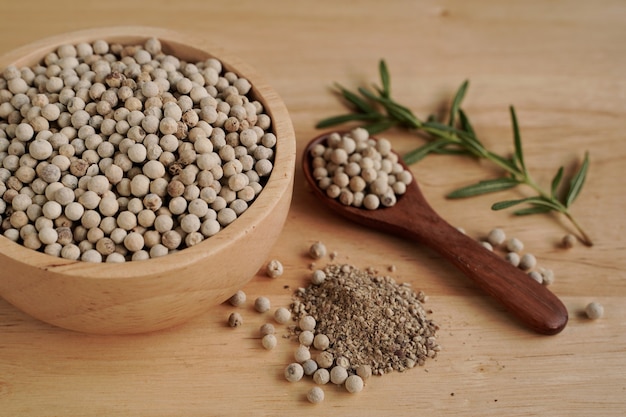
{"points": [[547, 276], [269, 341], [527, 261], [262, 304], [318, 277], [343, 361], [364, 371], [226, 216], [267, 328], [282, 315], [513, 258], [321, 376], [117, 257], [594, 310], [354, 384], [274, 268], [325, 359], [321, 342], [302, 354], [307, 323], [535, 275], [568, 241], [91, 255], [235, 320], [158, 251], [52, 210], [294, 372], [486, 245], [315, 395], [338, 375], [171, 239], [496, 237], [317, 250], [306, 338], [514, 245], [309, 366]]}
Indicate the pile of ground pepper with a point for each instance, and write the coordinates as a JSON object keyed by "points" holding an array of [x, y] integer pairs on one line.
{"points": [[370, 320]]}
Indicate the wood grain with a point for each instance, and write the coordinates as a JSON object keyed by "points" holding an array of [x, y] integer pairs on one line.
{"points": [[562, 65]]}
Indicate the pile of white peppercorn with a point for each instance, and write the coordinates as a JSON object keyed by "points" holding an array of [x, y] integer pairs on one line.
{"points": [[116, 153], [358, 170], [336, 348]]}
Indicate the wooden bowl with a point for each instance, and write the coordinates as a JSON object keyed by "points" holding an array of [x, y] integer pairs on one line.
{"points": [[143, 296]]}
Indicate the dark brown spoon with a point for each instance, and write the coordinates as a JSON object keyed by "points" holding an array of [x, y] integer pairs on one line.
{"points": [[412, 217]]}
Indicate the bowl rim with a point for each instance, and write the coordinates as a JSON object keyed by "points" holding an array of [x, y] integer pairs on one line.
{"points": [[279, 182]]}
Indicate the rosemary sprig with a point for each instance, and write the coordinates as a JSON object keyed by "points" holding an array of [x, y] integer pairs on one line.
{"points": [[377, 111]]}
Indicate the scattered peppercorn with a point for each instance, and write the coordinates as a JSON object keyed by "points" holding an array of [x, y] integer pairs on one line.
{"points": [[536, 276], [321, 341], [354, 384], [315, 395], [274, 268], [267, 328], [568, 241], [514, 245], [547, 276], [338, 375], [294, 372], [269, 341], [321, 376], [527, 261], [496, 237], [306, 338], [302, 354], [282, 315], [317, 250], [318, 277], [307, 323], [309, 366], [364, 371], [594, 310], [235, 320], [262, 304]]}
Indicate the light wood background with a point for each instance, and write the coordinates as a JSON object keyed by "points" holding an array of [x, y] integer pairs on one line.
{"points": [[561, 63]]}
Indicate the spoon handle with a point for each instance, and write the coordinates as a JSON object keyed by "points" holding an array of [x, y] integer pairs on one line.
{"points": [[531, 302]]}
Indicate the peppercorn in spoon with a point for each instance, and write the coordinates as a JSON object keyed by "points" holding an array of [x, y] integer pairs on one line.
{"points": [[409, 215]]}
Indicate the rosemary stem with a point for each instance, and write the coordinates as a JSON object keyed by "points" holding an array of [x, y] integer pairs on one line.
{"points": [[583, 237]]}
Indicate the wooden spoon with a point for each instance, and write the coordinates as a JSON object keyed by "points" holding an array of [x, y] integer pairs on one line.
{"points": [[412, 217]]}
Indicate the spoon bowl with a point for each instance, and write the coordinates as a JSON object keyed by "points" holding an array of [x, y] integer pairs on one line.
{"points": [[413, 218]]}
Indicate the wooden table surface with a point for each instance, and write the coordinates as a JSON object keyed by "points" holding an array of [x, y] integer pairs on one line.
{"points": [[561, 63]]}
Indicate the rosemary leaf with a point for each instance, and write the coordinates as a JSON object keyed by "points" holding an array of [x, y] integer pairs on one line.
{"points": [[556, 181], [384, 79], [452, 149], [535, 201], [577, 182], [532, 210], [345, 118], [456, 103], [484, 187], [517, 140], [419, 153], [360, 104], [501, 205], [465, 123], [377, 127]]}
